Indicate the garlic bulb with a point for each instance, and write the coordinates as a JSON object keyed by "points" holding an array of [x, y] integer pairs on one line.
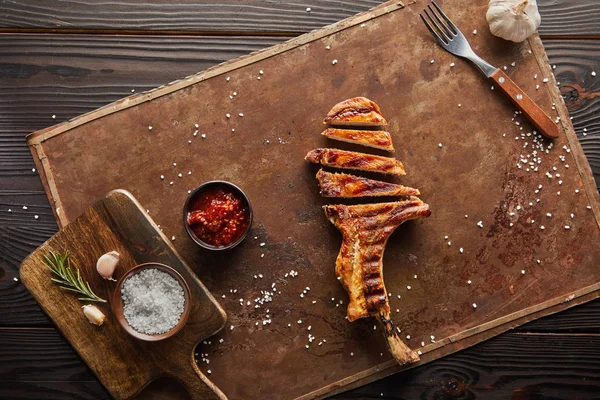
{"points": [[107, 264], [93, 314], [513, 20]]}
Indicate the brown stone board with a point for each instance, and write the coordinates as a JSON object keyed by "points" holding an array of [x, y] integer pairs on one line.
{"points": [[384, 55]]}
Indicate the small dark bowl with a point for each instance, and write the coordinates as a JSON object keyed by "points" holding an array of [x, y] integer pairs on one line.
{"points": [[197, 192], [117, 303]]}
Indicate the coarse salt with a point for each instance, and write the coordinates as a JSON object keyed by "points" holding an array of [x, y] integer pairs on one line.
{"points": [[153, 301]]}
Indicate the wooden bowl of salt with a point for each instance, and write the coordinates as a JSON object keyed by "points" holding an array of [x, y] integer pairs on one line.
{"points": [[151, 302]]}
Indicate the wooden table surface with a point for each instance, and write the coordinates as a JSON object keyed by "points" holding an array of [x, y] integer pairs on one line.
{"points": [[62, 58]]}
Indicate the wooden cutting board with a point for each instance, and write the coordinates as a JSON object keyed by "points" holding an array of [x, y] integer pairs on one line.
{"points": [[123, 364], [481, 172]]}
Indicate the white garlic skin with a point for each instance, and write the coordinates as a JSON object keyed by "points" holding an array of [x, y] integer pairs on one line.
{"points": [[107, 264], [93, 314], [513, 20]]}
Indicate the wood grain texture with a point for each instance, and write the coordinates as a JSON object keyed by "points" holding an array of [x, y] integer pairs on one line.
{"points": [[575, 61], [124, 364], [511, 366], [559, 17], [40, 363], [184, 15], [566, 18], [524, 103]]}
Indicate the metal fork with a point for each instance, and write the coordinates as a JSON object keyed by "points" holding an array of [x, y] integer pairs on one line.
{"points": [[452, 40]]}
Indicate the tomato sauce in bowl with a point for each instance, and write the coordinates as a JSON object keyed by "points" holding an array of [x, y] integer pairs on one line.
{"points": [[217, 215]]}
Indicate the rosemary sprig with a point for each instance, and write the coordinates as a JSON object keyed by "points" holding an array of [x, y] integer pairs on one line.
{"points": [[67, 279]]}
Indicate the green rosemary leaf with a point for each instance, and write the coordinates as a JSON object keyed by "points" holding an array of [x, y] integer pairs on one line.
{"points": [[60, 265]]}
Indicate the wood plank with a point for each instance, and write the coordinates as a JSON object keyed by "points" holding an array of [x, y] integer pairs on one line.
{"points": [[563, 18], [581, 319], [575, 61], [40, 363], [559, 17], [250, 16], [511, 366]]}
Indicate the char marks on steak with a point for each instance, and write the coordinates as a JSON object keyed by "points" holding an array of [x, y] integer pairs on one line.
{"points": [[376, 139], [346, 186], [353, 160], [358, 111], [365, 230]]}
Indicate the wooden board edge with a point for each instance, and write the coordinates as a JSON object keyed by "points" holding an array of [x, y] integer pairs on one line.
{"points": [[133, 100], [45, 172], [583, 166], [25, 266], [455, 343]]}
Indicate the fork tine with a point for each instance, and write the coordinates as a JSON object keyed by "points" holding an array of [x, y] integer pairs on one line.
{"points": [[433, 32], [440, 24], [450, 23], [434, 22]]}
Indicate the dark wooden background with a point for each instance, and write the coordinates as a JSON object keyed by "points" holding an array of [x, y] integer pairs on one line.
{"points": [[62, 58]]}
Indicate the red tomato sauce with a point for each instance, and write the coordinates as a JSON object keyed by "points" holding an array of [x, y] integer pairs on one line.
{"points": [[218, 216]]}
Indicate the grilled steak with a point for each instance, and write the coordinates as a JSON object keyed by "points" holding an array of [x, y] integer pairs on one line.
{"points": [[355, 111], [354, 160], [376, 139], [365, 230], [346, 185]]}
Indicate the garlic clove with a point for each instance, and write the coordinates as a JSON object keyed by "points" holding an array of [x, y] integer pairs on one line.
{"points": [[93, 314], [107, 264]]}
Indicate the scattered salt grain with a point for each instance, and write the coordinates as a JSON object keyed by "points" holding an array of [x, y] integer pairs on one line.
{"points": [[149, 128], [334, 62]]}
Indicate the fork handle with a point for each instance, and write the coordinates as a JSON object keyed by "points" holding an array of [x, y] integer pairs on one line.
{"points": [[536, 115]]}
